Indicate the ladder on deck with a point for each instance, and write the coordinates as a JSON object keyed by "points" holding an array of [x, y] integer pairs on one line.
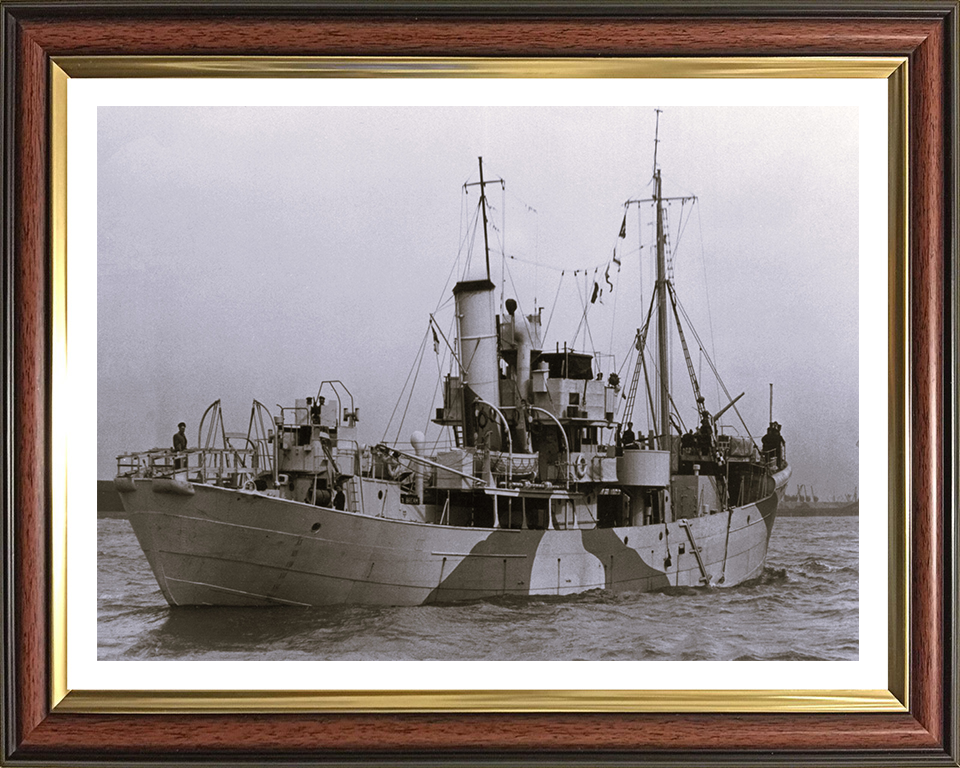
{"points": [[634, 383], [637, 370], [354, 494]]}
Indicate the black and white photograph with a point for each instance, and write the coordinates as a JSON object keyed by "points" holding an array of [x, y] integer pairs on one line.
{"points": [[501, 383]]}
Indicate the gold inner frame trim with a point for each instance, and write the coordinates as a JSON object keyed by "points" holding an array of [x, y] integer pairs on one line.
{"points": [[428, 67], [59, 391], [730, 701], [898, 416], [893, 69]]}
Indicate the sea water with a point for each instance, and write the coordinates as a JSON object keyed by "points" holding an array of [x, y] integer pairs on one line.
{"points": [[804, 606]]}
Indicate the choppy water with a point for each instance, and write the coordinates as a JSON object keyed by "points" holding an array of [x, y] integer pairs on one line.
{"points": [[804, 606]]}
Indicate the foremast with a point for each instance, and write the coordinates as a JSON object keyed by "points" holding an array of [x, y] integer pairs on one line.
{"points": [[663, 336], [664, 299]]}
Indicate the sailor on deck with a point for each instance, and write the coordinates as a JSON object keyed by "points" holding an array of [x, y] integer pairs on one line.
{"points": [[180, 445], [704, 435], [772, 444], [316, 410]]}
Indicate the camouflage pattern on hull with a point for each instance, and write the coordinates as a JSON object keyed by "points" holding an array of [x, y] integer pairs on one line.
{"points": [[220, 546]]}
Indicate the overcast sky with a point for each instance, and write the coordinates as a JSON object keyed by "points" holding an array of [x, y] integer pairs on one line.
{"points": [[253, 252]]}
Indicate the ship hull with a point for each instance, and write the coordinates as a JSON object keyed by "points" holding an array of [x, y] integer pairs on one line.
{"points": [[209, 545]]}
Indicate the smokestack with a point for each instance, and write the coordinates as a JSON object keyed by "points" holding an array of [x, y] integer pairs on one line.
{"points": [[477, 332]]}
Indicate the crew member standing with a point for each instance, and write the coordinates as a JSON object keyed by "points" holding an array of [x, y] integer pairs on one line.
{"points": [[180, 446]]}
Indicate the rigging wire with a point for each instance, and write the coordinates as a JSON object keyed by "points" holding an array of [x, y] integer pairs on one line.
{"points": [[536, 250], [613, 319], [583, 314], [651, 411], [445, 298], [640, 239], [415, 364], [412, 387], [540, 265], [706, 290], [467, 237], [554, 307], [446, 301], [461, 237], [716, 373], [523, 316], [626, 361], [670, 400], [503, 242], [682, 226], [433, 400], [469, 240], [498, 238], [583, 318]]}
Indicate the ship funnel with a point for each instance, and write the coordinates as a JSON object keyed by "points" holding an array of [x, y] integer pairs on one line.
{"points": [[478, 338]]}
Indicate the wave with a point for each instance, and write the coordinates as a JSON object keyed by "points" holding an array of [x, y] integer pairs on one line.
{"points": [[769, 577], [782, 656], [813, 565]]}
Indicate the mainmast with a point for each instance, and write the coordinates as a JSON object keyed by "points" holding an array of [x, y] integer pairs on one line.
{"points": [[483, 208], [663, 337]]}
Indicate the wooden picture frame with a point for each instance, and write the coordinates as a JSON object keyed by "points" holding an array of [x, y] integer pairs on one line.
{"points": [[35, 35]]}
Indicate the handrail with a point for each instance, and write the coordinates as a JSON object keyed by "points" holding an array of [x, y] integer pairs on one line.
{"points": [[341, 411], [162, 462], [566, 442], [258, 429], [217, 420]]}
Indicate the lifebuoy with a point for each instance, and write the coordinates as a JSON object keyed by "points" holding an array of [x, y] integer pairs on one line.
{"points": [[581, 465], [250, 485], [481, 419]]}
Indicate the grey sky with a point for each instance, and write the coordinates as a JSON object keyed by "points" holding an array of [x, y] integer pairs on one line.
{"points": [[253, 252]]}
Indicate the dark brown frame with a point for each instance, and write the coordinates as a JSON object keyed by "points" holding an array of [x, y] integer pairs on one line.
{"points": [[925, 32]]}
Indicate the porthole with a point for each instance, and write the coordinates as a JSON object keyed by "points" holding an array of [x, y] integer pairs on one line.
{"points": [[379, 494], [748, 519], [625, 540], [661, 535], [315, 527]]}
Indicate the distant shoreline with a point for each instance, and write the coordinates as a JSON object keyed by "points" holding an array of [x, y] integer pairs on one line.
{"points": [[815, 509]]}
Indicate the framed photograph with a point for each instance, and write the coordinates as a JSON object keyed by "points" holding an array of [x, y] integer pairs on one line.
{"points": [[489, 518]]}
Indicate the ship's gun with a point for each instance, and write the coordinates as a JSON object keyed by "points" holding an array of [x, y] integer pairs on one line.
{"points": [[389, 452]]}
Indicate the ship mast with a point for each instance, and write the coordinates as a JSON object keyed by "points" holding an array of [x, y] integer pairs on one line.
{"points": [[662, 293], [478, 339], [483, 207], [662, 328]]}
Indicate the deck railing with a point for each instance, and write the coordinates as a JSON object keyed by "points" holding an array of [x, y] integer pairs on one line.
{"points": [[232, 467]]}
